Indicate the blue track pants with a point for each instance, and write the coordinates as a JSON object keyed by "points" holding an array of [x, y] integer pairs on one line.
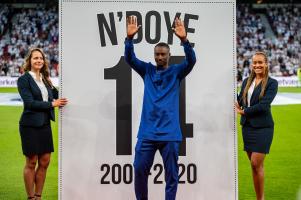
{"points": [[144, 156]]}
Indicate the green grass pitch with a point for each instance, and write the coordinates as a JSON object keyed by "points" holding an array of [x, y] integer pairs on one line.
{"points": [[12, 160], [282, 165]]}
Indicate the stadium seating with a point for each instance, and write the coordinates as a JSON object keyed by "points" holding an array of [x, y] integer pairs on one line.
{"points": [[31, 27], [273, 29]]}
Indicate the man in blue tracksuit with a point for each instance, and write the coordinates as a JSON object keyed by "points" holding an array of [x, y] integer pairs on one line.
{"points": [[160, 124]]}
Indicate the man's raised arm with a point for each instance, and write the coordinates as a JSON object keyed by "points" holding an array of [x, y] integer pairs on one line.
{"points": [[190, 58], [129, 54]]}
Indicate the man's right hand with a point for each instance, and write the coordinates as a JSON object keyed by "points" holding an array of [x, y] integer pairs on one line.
{"points": [[131, 26]]}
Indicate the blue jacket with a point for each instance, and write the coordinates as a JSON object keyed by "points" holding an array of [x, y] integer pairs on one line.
{"points": [[36, 111], [160, 113], [259, 113]]}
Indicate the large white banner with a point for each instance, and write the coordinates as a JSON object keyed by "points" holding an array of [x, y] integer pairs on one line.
{"points": [[98, 128]]}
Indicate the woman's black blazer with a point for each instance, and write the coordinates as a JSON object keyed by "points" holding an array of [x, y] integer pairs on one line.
{"points": [[34, 106], [259, 113]]}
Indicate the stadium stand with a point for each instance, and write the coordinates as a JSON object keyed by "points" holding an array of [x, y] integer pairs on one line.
{"points": [[272, 28], [26, 28]]}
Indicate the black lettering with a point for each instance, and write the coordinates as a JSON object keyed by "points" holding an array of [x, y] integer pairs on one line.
{"points": [[119, 15], [111, 32], [116, 174], [139, 35], [102, 168], [181, 173], [127, 173], [122, 73], [123, 173], [156, 181], [191, 173], [186, 23], [170, 25], [157, 27]]}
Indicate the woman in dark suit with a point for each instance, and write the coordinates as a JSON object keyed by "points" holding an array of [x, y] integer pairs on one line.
{"points": [[39, 99], [254, 106]]}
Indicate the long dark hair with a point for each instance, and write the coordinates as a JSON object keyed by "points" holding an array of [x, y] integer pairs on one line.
{"points": [[44, 70], [253, 75]]}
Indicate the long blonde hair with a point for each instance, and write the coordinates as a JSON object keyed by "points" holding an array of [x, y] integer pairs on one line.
{"points": [[44, 70], [253, 75]]}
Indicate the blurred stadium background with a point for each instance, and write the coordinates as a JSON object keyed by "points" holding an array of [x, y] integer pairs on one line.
{"points": [[272, 26], [24, 26]]}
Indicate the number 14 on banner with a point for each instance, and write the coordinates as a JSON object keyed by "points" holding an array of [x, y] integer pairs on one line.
{"points": [[123, 75]]}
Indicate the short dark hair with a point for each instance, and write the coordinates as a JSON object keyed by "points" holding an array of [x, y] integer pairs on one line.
{"points": [[162, 44]]}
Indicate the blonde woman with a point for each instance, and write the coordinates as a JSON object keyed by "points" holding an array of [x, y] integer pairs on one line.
{"points": [[254, 106], [39, 99]]}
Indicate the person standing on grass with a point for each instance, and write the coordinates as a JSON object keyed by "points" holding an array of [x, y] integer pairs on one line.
{"points": [[254, 106], [39, 99], [160, 124]]}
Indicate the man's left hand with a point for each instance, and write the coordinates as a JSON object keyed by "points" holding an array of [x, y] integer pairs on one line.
{"points": [[180, 30]]}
